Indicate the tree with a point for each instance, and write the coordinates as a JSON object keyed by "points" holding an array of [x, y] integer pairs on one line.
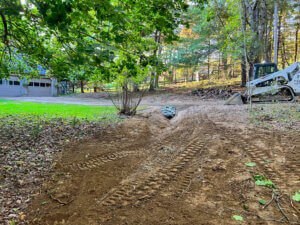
{"points": [[276, 25], [104, 34], [22, 37]]}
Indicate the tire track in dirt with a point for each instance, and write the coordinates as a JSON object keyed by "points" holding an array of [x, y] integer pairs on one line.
{"points": [[100, 160], [137, 192], [183, 186], [289, 176]]}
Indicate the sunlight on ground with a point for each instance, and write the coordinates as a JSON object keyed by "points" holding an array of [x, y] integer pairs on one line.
{"points": [[205, 83]]}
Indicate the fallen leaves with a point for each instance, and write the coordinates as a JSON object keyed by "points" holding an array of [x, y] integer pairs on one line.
{"points": [[27, 150]]}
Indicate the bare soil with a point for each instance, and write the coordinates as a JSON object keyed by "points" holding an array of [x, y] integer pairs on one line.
{"points": [[188, 170]]}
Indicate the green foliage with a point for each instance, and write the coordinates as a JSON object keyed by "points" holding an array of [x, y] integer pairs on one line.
{"points": [[262, 201], [215, 28], [296, 196], [22, 45], [12, 222], [238, 218], [88, 40], [250, 164], [262, 181]]}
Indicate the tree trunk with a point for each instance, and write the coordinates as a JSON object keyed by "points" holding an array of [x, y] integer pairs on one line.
{"points": [[158, 55], [208, 60], [225, 65], [155, 75], [244, 55], [174, 76], [276, 31], [283, 52], [187, 75], [244, 71], [81, 87], [152, 81], [219, 66], [296, 42]]}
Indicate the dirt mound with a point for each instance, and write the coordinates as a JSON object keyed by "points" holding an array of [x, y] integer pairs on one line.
{"points": [[154, 171]]}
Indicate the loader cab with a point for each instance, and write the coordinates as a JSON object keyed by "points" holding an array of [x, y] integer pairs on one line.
{"points": [[263, 69]]}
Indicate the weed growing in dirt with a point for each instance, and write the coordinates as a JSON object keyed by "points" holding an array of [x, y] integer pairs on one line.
{"points": [[237, 218], [296, 196], [250, 164], [263, 181], [262, 202], [12, 222]]}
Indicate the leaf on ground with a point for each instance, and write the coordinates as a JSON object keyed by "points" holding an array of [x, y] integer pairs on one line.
{"points": [[296, 196], [238, 218], [262, 201], [250, 164], [266, 183]]}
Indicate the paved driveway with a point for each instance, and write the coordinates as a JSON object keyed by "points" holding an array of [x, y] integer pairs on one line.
{"points": [[63, 100]]}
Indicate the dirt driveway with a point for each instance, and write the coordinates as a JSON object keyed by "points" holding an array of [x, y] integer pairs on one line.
{"points": [[190, 170], [102, 99]]}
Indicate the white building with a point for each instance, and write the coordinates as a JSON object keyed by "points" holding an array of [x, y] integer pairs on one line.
{"points": [[36, 87]]}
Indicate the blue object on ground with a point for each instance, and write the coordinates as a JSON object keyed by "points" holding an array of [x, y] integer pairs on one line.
{"points": [[169, 111]]}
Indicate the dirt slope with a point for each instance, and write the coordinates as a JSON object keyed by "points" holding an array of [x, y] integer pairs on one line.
{"points": [[190, 170]]}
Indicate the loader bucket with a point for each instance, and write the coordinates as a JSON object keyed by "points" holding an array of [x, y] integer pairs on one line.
{"points": [[235, 99]]}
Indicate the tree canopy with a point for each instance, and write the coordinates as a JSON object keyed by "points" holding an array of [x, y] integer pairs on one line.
{"points": [[103, 41]]}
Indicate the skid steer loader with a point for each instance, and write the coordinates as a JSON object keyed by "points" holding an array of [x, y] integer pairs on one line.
{"points": [[267, 84]]}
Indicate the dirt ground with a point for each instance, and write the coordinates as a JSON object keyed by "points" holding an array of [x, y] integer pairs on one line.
{"points": [[188, 170]]}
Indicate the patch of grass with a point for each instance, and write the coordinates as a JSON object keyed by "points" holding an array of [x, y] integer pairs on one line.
{"points": [[4, 100], [49, 110]]}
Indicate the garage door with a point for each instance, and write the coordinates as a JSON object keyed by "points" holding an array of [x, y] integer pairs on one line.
{"points": [[10, 88], [39, 89]]}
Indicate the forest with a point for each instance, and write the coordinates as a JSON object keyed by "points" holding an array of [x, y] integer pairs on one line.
{"points": [[149, 112], [88, 43]]}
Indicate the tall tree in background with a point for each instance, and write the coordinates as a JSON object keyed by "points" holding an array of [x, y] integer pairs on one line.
{"points": [[276, 26]]}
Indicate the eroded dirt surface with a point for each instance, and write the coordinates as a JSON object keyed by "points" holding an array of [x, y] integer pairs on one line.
{"points": [[190, 170]]}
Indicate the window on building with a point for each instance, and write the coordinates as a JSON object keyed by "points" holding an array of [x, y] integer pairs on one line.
{"points": [[42, 84], [30, 84], [11, 82], [36, 84], [17, 83], [48, 85]]}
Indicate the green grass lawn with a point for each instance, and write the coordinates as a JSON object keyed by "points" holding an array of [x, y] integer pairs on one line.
{"points": [[49, 110]]}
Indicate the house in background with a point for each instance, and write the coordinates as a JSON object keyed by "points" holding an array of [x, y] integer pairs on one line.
{"points": [[35, 87]]}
